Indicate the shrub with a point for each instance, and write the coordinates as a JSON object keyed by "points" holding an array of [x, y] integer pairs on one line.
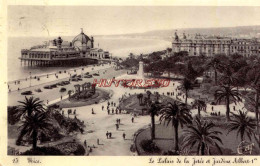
{"points": [[12, 118], [170, 153], [149, 146], [69, 148], [43, 151], [80, 151]]}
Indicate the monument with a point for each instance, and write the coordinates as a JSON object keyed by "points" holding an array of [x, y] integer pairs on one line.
{"points": [[140, 72]]}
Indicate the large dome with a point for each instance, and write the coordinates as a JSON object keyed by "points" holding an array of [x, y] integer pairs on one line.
{"points": [[82, 38]]}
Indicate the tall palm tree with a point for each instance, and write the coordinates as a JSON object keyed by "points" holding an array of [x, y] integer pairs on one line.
{"points": [[200, 104], [253, 78], [140, 98], [203, 135], [243, 125], [36, 124], [154, 108], [226, 93], [30, 106], [177, 114], [186, 86], [214, 63]]}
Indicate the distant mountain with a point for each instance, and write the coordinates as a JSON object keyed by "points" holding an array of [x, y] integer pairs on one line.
{"points": [[240, 31]]}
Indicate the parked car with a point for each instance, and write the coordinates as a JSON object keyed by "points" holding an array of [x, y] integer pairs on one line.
{"points": [[53, 86], [38, 90], [75, 79], [87, 73], [88, 76], [26, 93], [95, 74], [47, 87], [63, 89], [79, 79], [73, 76]]}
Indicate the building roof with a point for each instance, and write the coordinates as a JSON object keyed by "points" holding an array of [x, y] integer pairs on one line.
{"points": [[82, 37]]}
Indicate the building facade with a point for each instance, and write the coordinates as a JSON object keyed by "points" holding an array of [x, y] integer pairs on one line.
{"points": [[210, 46], [57, 51]]}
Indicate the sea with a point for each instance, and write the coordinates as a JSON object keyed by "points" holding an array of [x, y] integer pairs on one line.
{"points": [[118, 46]]}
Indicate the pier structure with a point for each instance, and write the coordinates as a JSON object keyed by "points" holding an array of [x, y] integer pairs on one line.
{"points": [[57, 52]]}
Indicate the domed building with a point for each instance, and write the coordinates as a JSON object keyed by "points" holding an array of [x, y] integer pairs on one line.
{"points": [[83, 42]]}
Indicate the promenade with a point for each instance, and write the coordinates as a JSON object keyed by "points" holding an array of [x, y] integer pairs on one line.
{"points": [[54, 95]]}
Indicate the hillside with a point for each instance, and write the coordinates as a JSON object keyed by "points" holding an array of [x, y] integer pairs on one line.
{"points": [[240, 31]]}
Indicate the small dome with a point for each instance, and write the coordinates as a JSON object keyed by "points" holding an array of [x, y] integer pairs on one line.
{"points": [[81, 38]]}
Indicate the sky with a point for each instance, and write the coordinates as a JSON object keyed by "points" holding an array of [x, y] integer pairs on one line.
{"points": [[101, 20]]}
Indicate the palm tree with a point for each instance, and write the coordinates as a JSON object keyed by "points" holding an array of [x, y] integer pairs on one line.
{"points": [[242, 124], [140, 98], [215, 63], [177, 114], [153, 108], [30, 106], [186, 86], [200, 104], [36, 124], [226, 93], [253, 78], [202, 135]]}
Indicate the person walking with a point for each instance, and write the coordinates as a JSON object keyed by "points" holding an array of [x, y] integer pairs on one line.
{"points": [[61, 97], [107, 134], [132, 119], [97, 141], [102, 107], [124, 136], [85, 143], [212, 108]]}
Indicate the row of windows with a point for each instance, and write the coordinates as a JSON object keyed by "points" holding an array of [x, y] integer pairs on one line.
{"points": [[39, 56], [232, 47]]}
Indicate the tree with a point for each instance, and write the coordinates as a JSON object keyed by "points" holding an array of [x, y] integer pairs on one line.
{"points": [[177, 114], [157, 95], [140, 98], [69, 93], [214, 63], [253, 79], [242, 124], [154, 108], [201, 134], [30, 106], [200, 104], [35, 125], [226, 93], [148, 94], [186, 86]]}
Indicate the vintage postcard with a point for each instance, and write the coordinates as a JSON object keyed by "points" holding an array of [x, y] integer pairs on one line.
{"points": [[130, 84]]}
